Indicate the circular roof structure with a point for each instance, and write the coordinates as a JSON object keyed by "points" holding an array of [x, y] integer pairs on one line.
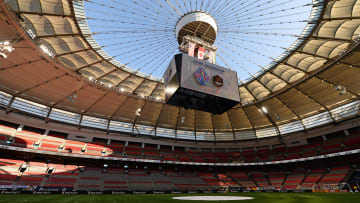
{"points": [[250, 36], [66, 74]]}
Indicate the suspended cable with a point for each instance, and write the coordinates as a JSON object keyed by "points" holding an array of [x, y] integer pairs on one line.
{"points": [[141, 33]]}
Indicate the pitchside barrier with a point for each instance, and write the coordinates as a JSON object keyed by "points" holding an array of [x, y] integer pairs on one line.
{"points": [[339, 187], [69, 191]]}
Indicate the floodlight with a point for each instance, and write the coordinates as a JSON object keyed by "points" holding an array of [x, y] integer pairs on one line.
{"points": [[264, 109], [50, 170], [23, 168], [61, 147], [5, 49]]}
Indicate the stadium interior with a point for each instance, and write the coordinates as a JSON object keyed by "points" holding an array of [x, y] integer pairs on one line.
{"points": [[74, 119]]}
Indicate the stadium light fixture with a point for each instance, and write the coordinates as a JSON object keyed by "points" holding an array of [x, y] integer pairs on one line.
{"points": [[50, 170], [183, 119], [9, 140], [31, 33], [47, 50], [5, 49], [341, 89], [277, 116], [70, 98], [37, 143], [61, 147], [22, 168], [138, 112], [263, 109], [103, 151]]}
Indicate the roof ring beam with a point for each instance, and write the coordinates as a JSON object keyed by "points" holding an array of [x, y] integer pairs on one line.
{"points": [[73, 52], [105, 74], [88, 65], [330, 38], [123, 80], [311, 54], [342, 18], [43, 14], [58, 35], [138, 86]]}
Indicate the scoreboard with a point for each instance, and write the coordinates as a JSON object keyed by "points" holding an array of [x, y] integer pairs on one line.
{"points": [[197, 84]]}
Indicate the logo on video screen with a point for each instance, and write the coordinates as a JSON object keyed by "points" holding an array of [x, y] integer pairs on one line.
{"points": [[218, 81], [201, 76]]}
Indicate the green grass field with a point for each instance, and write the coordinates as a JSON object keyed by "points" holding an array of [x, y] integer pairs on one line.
{"points": [[259, 197]]}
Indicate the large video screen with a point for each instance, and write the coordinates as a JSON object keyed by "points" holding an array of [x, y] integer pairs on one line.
{"points": [[209, 78], [170, 72]]}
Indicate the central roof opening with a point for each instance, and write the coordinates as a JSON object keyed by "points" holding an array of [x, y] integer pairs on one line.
{"points": [[250, 37], [197, 24]]}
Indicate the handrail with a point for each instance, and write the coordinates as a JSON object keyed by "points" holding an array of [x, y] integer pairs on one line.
{"points": [[337, 154]]}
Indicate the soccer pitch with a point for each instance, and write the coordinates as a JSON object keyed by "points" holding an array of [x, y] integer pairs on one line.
{"points": [[153, 198]]}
